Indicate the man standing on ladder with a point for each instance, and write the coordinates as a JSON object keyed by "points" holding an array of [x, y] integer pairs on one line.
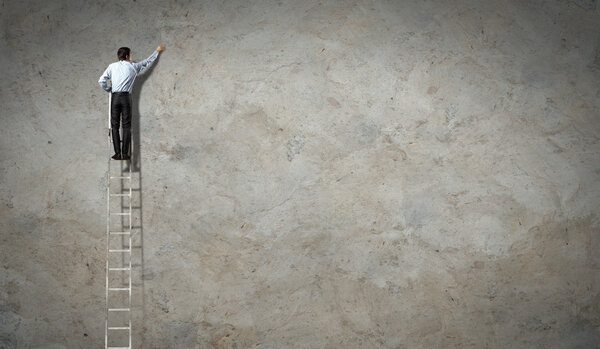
{"points": [[122, 75]]}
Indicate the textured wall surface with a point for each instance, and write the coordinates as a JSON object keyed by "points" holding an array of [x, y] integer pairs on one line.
{"points": [[313, 174]]}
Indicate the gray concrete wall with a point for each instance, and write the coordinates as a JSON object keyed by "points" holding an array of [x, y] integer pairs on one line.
{"points": [[333, 174]]}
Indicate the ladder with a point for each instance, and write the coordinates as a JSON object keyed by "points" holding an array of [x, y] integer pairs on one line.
{"points": [[117, 324]]}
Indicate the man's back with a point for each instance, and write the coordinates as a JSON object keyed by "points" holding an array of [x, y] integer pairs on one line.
{"points": [[122, 73], [122, 76]]}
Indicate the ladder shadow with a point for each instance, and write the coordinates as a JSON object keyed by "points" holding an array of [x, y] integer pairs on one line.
{"points": [[136, 167]]}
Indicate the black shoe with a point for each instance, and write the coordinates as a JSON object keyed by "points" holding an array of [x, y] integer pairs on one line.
{"points": [[125, 157], [117, 157]]}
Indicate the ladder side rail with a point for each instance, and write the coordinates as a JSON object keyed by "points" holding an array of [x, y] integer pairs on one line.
{"points": [[107, 225], [130, 224]]}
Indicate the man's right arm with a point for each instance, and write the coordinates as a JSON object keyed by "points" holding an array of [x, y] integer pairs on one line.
{"points": [[104, 79], [146, 62]]}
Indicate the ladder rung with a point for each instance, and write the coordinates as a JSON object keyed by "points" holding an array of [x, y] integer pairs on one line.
{"points": [[118, 288], [121, 213], [119, 194], [119, 250], [113, 177], [118, 347], [118, 309], [118, 328], [120, 232], [118, 268]]}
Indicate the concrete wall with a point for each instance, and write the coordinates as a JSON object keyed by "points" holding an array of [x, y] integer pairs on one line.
{"points": [[333, 174]]}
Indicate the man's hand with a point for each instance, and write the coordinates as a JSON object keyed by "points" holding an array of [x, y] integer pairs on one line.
{"points": [[160, 48]]}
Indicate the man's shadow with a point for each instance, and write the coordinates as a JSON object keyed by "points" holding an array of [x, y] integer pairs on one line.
{"points": [[136, 167], [140, 80]]}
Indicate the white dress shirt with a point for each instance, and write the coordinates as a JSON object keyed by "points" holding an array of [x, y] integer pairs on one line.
{"points": [[122, 74]]}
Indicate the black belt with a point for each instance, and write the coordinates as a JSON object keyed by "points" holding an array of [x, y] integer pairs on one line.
{"points": [[120, 93]]}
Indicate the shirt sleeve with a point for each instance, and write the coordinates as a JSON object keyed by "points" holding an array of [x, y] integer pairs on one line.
{"points": [[146, 62], [104, 78]]}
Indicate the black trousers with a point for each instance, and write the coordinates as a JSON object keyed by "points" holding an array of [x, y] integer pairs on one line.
{"points": [[121, 105]]}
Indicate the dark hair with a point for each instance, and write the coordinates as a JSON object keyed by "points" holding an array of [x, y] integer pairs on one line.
{"points": [[123, 53]]}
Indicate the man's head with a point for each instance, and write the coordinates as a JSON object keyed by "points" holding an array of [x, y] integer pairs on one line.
{"points": [[123, 53]]}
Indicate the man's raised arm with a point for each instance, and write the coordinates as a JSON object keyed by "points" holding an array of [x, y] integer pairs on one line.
{"points": [[146, 62]]}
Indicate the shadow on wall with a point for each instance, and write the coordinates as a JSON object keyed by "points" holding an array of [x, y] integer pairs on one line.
{"points": [[597, 58], [140, 80], [137, 209]]}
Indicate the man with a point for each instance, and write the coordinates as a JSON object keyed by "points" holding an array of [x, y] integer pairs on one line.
{"points": [[122, 75]]}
